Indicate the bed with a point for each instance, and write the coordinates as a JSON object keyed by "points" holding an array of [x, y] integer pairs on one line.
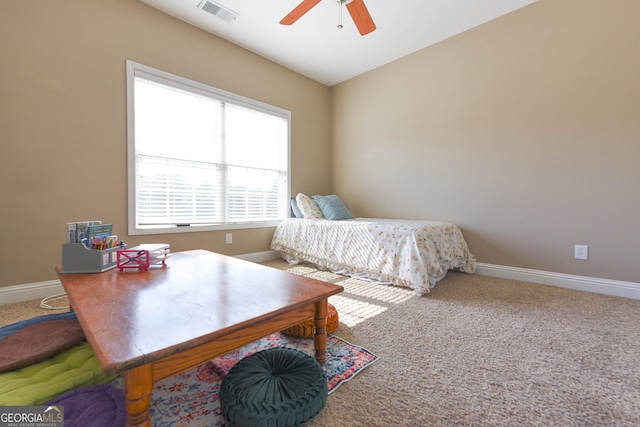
{"points": [[414, 254]]}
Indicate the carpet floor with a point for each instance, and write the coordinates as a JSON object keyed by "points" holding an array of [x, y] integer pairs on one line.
{"points": [[481, 351]]}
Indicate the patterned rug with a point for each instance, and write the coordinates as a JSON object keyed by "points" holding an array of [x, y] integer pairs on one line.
{"points": [[191, 398]]}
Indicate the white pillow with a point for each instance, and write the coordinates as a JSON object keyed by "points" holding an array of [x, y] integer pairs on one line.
{"points": [[308, 207]]}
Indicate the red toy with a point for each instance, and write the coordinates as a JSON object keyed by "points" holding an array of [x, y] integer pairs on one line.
{"points": [[143, 256], [133, 258]]}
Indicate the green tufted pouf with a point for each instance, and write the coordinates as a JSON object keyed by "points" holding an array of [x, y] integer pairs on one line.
{"points": [[278, 387]]}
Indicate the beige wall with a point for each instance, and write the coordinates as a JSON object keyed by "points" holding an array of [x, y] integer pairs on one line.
{"points": [[524, 131], [63, 121]]}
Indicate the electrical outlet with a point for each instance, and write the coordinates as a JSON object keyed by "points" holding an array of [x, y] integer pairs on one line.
{"points": [[229, 239], [581, 252]]}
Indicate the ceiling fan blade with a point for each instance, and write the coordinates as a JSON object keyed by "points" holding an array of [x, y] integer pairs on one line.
{"points": [[361, 16], [300, 10]]}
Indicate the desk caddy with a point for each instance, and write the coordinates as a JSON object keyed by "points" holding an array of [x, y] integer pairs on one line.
{"points": [[76, 258]]}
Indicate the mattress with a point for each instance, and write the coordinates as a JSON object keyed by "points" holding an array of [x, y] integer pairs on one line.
{"points": [[411, 253]]}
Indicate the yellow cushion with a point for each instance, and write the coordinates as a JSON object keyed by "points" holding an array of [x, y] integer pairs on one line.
{"points": [[42, 381]]}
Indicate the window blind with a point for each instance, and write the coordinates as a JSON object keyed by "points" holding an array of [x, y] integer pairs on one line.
{"points": [[202, 157]]}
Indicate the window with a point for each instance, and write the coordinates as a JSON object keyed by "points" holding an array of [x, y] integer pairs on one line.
{"points": [[201, 158]]}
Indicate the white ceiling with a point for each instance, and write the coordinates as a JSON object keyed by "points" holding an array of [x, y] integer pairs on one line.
{"points": [[316, 48]]}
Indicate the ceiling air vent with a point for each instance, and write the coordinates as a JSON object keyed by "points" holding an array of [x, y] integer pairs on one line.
{"points": [[218, 10]]}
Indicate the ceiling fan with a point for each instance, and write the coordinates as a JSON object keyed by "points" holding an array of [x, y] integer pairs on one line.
{"points": [[356, 8]]}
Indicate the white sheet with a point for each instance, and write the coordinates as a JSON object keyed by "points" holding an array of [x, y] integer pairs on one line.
{"points": [[416, 254]]}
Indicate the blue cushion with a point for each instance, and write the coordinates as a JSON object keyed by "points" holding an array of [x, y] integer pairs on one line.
{"points": [[332, 207], [5, 331], [296, 209]]}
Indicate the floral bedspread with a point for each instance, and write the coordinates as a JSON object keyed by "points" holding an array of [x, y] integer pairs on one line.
{"points": [[416, 254]]}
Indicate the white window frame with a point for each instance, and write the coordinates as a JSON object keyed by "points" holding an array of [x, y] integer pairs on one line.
{"points": [[134, 70]]}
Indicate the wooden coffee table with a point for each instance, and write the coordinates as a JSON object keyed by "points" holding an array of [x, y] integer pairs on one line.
{"points": [[149, 325]]}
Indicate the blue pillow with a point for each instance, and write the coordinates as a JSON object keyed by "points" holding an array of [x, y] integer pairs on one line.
{"points": [[332, 207], [296, 209]]}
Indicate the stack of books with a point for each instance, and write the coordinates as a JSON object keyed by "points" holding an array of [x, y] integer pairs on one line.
{"points": [[92, 234]]}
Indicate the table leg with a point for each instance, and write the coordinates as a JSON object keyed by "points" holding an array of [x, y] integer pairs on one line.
{"points": [[138, 385], [320, 335]]}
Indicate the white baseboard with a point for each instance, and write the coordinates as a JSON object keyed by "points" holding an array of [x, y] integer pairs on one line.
{"points": [[29, 291], [581, 283], [263, 256]]}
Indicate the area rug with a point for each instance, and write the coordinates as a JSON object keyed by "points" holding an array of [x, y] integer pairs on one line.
{"points": [[191, 398]]}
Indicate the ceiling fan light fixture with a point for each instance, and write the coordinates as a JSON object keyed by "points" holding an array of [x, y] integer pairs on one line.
{"points": [[357, 9]]}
